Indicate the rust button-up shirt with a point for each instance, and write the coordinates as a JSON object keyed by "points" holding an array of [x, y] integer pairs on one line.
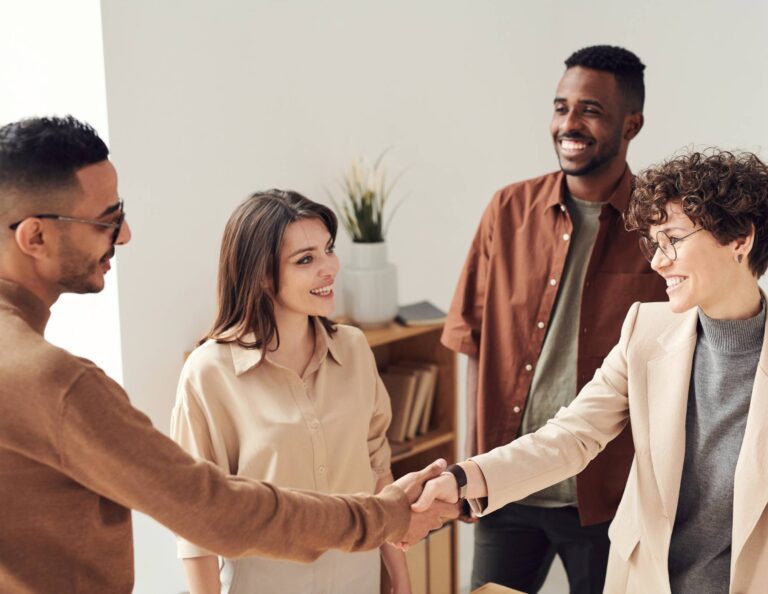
{"points": [[505, 298]]}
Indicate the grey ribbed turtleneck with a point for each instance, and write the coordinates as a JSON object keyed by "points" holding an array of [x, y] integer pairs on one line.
{"points": [[724, 366]]}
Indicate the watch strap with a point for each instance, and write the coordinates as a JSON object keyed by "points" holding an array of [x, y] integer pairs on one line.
{"points": [[461, 479]]}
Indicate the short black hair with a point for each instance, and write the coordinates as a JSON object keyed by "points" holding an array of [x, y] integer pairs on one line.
{"points": [[45, 153], [622, 63]]}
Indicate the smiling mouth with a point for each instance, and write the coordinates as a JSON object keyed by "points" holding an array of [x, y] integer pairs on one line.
{"points": [[571, 146], [322, 291], [673, 282]]}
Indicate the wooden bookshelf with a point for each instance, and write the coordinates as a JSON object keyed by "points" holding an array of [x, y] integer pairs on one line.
{"points": [[390, 345]]}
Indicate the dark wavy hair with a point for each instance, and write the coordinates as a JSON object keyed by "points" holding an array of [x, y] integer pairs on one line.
{"points": [[726, 193], [625, 66], [250, 254]]}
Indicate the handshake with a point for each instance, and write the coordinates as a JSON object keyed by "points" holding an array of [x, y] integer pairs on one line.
{"points": [[433, 498]]}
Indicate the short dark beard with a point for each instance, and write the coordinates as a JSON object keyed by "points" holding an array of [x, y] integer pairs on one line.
{"points": [[77, 269], [599, 160]]}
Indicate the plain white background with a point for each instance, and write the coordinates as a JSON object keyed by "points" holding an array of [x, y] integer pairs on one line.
{"points": [[208, 101]]}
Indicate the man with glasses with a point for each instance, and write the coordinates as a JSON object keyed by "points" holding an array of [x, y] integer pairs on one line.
{"points": [[75, 457], [550, 276]]}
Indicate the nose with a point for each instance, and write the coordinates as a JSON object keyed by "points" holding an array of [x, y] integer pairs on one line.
{"points": [[660, 260], [125, 234], [330, 266], [570, 122]]}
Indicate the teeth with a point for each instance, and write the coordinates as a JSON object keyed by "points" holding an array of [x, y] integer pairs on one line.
{"points": [[572, 145], [322, 290], [673, 281]]}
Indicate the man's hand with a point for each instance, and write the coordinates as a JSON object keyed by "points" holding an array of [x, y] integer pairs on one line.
{"points": [[422, 523], [427, 519], [413, 482], [442, 488]]}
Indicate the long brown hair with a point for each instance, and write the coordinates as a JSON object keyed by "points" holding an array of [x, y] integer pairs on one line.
{"points": [[250, 255]]}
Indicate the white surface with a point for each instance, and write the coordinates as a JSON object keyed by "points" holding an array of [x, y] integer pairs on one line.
{"points": [[53, 64], [209, 101]]}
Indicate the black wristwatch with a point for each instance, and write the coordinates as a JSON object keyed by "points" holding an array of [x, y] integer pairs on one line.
{"points": [[461, 479]]}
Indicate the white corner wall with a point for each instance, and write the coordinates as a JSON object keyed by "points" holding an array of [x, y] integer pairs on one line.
{"points": [[53, 64], [209, 101]]}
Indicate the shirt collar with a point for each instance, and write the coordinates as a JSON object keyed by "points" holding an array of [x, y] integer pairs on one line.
{"points": [[245, 359], [26, 304], [619, 199]]}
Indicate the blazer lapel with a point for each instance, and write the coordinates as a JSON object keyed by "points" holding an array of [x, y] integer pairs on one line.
{"points": [[669, 376], [750, 489]]}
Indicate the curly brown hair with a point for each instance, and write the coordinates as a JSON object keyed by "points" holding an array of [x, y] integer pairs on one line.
{"points": [[726, 193]]}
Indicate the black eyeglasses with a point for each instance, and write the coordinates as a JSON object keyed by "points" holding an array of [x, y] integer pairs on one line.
{"points": [[663, 242], [116, 225]]}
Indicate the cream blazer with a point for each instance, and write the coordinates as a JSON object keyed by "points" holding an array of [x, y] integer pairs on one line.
{"points": [[644, 378]]}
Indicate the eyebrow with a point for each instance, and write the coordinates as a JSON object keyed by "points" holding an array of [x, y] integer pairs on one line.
{"points": [[594, 102], [311, 248], [110, 209], [668, 229]]}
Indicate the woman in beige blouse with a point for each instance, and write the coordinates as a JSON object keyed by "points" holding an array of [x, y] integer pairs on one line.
{"points": [[277, 392]]}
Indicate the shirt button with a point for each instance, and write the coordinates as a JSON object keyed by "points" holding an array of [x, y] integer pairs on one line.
{"points": [[516, 409], [321, 469], [314, 425], [553, 281], [528, 366], [566, 237], [540, 325]]}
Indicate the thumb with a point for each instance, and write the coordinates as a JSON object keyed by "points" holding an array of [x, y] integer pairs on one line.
{"points": [[425, 499], [433, 470]]}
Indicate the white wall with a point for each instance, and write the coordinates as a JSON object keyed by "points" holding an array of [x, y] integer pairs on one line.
{"points": [[53, 63], [211, 100]]}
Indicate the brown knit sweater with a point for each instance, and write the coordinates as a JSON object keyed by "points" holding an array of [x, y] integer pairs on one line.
{"points": [[75, 457]]}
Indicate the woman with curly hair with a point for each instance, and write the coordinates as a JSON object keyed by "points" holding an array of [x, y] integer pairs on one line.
{"points": [[691, 375]]}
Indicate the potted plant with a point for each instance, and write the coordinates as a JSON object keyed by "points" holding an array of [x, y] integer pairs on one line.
{"points": [[370, 281]]}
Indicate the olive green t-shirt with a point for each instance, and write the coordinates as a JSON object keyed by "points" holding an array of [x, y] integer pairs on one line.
{"points": [[554, 380]]}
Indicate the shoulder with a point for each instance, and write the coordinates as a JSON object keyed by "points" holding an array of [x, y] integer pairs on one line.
{"points": [[529, 191], [350, 343], [210, 358], [653, 319], [349, 337]]}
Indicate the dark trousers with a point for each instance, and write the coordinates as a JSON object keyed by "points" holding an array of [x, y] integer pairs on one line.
{"points": [[515, 546]]}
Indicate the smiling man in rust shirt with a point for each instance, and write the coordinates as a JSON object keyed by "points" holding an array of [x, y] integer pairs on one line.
{"points": [[548, 281], [75, 456]]}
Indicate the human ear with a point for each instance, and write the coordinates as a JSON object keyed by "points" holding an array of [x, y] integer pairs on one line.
{"points": [[633, 123], [743, 245], [30, 238]]}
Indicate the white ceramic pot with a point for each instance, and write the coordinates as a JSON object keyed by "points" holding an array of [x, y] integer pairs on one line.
{"points": [[370, 286]]}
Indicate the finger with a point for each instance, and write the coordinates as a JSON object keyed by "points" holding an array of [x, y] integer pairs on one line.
{"points": [[433, 470], [446, 510], [426, 498]]}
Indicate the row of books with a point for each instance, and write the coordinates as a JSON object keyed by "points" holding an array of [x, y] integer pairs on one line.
{"points": [[411, 386]]}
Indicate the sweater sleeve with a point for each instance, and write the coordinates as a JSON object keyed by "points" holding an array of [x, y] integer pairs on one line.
{"points": [[110, 447]]}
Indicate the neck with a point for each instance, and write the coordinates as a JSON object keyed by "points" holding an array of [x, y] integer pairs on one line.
{"points": [[31, 282], [599, 185], [743, 302], [295, 333]]}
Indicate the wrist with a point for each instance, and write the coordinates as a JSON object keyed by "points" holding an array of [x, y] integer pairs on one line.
{"points": [[459, 478]]}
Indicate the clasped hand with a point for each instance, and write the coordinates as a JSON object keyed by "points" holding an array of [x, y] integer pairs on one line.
{"points": [[429, 510]]}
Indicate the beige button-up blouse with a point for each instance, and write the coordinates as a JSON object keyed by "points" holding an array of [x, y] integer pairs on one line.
{"points": [[324, 431]]}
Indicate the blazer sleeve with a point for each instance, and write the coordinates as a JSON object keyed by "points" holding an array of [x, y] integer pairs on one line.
{"points": [[569, 441]]}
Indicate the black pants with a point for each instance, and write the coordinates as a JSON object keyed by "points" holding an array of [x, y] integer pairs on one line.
{"points": [[515, 546]]}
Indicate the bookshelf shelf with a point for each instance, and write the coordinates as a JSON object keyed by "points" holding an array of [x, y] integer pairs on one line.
{"points": [[394, 344], [422, 443]]}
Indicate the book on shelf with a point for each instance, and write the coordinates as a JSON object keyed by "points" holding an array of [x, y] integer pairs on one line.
{"points": [[422, 313], [425, 395], [402, 389]]}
